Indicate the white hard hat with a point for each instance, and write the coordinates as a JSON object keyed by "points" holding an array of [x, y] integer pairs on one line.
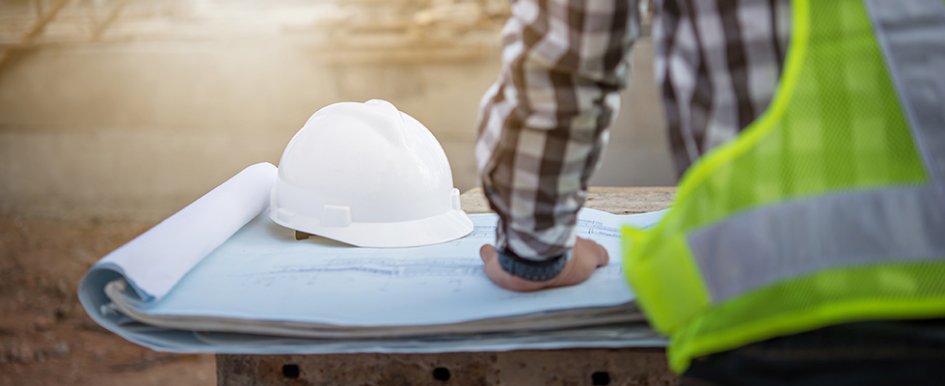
{"points": [[368, 175]]}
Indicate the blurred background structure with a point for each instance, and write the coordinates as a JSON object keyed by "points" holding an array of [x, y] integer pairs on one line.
{"points": [[118, 109], [116, 113]]}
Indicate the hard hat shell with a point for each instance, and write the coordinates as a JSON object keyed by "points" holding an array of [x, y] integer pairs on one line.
{"points": [[369, 175]]}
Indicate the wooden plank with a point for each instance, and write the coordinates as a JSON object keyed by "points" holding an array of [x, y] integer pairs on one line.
{"points": [[617, 200]]}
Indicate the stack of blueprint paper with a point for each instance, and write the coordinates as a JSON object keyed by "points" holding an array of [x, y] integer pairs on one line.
{"points": [[219, 276]]}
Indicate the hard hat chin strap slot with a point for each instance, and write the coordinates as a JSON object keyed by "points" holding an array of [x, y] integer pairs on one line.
{"points": [[336, 216], [454, 200]]}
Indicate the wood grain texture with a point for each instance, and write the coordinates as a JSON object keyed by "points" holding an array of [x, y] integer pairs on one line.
{"points": [[618, 200]]}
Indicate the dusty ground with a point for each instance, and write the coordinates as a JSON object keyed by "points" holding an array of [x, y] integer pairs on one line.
{"points": [[47, 339]]}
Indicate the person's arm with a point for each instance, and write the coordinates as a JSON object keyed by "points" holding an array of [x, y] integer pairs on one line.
{"points": [[542, 128]]}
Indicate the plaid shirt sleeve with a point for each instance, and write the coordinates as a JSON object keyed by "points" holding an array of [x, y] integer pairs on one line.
{"points": [[543, 124]]}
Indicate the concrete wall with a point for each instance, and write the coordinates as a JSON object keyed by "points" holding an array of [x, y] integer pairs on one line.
{"points": [[137, 129]]}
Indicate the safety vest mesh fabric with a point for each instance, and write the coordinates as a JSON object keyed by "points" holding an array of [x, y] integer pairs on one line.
{"points": [[835, 127]]}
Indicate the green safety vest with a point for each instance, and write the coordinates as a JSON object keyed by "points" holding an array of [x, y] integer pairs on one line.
{"points": [[829, 208]]}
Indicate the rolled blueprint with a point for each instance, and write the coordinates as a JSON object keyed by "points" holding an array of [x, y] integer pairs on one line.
{"points": [[156, 260]]}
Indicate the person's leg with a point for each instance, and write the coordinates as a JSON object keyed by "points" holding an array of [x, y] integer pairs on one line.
{"points": [[865, 353]]}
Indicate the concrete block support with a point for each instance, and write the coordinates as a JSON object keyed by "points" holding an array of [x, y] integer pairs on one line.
{"points": [[518, 368]]}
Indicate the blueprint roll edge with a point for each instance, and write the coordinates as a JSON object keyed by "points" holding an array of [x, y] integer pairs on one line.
{"points": [[156, 260]]}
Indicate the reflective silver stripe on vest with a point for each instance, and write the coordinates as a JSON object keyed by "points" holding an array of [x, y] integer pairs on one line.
{"points": [[911, 34], [782, 241]]}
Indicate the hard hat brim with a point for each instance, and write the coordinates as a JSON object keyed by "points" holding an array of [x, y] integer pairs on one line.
{"points": [[448, 226]]}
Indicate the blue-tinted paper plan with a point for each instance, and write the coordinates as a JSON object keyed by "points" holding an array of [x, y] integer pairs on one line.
{"points": [[259, 279]]}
